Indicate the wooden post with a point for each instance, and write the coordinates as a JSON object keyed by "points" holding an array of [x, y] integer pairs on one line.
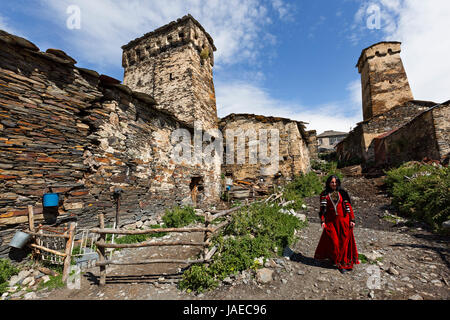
{"points": [[101, 250], [31, 227], [68, 258], [31, 218], [207, 235]]}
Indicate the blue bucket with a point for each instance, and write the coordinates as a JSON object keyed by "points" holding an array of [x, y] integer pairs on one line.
{"points": [[51, 200]]}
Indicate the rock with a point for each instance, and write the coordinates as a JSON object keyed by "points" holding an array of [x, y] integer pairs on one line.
{"points": [[446, 225], [373, 256], [139, 224], [437, 283], [264, 275], [30, 296], [301, 216], [14, 280], [45, 279], [284, 281], [322, 279], [23, 274], [371, 295], [27, 280], [415, 297], [12, 289], [300, 272], [227, 281], [392, 271]]}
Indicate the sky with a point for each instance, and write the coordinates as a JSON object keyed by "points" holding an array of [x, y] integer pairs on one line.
{"points": [[292, 59]]}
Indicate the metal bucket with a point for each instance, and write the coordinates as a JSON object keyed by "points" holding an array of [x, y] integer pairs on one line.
{"points": [[20, 239]]}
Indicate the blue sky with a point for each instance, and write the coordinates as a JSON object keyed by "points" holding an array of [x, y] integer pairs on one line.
{"points": [[293, 59]]}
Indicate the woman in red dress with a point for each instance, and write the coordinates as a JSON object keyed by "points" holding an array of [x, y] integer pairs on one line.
{"points": [[337, 242]]}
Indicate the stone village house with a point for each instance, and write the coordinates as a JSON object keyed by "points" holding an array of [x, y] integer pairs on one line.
{"points": [[87, 135]]}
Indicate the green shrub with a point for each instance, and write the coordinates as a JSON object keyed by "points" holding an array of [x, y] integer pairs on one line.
{"points": [[302, 186], [420, 192], [255, 231], [181, 216], [7, 270]]}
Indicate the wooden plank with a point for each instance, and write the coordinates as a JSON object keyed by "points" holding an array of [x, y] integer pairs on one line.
{"points": [[149, 244], [148, 231], [68, 252]]}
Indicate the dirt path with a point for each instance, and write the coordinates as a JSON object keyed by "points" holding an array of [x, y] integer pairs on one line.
{"points": [[413, 264]]}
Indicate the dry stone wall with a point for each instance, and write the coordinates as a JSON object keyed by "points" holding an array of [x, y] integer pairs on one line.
{"points": [[426, 136], [360, 142], [85, 135]]}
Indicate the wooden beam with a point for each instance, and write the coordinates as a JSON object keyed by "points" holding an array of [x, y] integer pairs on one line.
{"points": [[148, 231], [101, 249], [68, 252], [37, 234], [148, 244], [48, 250], [125, 263]]}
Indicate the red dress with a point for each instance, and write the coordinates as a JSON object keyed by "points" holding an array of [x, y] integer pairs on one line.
{"points": [[337, 242]]}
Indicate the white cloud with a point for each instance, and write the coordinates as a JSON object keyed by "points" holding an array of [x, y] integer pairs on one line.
{"points": [[237, 27], [4, 25], [240, 97], [422, 27]]}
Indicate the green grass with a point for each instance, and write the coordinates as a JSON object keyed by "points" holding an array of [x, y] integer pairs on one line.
{"points": [[7, 270], [181, 216], [304, 185]]}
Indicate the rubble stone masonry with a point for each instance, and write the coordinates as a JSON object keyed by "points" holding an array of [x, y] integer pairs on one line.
{"points": [[383, 78], [85, 135], [174, 65], [294, 147]]}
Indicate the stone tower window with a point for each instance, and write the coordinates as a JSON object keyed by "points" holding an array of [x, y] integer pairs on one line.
{"points": [[181, 35], [169, 39]]}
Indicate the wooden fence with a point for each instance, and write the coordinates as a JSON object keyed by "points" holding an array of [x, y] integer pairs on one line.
{"points": [[40, 242], [206, 255]]}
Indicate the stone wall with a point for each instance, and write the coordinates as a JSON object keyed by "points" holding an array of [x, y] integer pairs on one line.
{"points": [[360, 142], [383, 78], [426, 136], [294, 149], [85, 135]]}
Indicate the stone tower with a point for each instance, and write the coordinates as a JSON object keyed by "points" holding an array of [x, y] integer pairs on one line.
{"points": [[174, 65], [383, 78]]}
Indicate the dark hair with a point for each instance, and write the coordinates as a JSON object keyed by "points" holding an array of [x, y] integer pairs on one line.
{"points": [[328, 189]]}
